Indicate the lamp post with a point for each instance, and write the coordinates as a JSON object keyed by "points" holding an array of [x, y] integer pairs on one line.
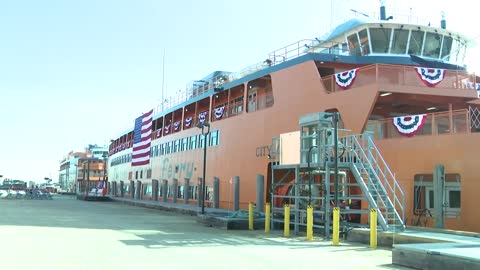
{"points": [[76, 177], [104, 156], [202, 126]]}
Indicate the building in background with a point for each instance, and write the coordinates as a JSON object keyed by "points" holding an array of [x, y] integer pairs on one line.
{"points": [[86, 165]]}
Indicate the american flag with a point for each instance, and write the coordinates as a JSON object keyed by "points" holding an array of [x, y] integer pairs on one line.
{"points": [[141, 139]]}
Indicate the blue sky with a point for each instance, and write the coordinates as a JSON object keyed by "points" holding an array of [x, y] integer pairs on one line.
{"points": [[74, 73]]}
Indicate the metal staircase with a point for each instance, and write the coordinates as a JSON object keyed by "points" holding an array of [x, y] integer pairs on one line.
{"points": [[319, 176], [375, 179]]}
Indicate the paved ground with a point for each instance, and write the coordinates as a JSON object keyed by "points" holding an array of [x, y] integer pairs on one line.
{"points": [[68, 234]]}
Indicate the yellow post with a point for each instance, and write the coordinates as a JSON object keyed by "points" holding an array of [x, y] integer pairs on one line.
{"points": [[309, 223], [336, 226], [286, 223], [267, 217], [250, 216], [373, 228]]}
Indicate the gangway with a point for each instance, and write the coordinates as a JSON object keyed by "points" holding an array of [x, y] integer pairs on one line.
{"points": [[307, 170]]}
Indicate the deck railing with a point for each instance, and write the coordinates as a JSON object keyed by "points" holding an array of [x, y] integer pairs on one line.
{"points": [[435, 123], [401, 75]]}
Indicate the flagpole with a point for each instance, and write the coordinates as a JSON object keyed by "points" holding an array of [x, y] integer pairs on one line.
{"points": [[163, 80]]}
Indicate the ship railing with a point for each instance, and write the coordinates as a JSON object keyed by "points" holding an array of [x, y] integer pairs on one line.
{"points": [[397, 17], [474, 117], [290, 51], [456, 122], [402, 75], [232, 109]]}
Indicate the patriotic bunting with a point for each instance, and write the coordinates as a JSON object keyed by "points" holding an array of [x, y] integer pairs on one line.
{"points": [[409, 125], [202, 116], [188, 121], [345, 79], [166, 130], [430, 76], [219, 112], [176, 126], [159, 132]]}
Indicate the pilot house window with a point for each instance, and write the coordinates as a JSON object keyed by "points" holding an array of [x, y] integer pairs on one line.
{"points": [[380, 38], [365, 47], [399, 42], [416, 42], [353, 45], [433, 42]]}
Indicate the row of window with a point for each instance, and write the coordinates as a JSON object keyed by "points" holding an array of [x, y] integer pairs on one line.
{"points": [[184, 144], [192, 191]]}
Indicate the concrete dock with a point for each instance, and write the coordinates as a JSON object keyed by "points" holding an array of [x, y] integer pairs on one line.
{"points": [[415, 247]]}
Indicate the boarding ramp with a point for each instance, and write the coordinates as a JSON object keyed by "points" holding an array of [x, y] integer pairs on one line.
{"points": [[303, 173]]}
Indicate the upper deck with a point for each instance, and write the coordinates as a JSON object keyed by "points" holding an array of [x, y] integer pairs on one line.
{"points": [[381, 50]]}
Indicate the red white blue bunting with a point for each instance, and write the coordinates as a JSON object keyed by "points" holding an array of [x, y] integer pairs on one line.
{"points": [[159, 132], [202, 116], [219, 112], [166, 130], [345, 79], [188, 121], [409, 125], [176, 126], [430, 76]]}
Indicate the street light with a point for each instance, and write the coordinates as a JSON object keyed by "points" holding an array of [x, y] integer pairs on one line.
{"points": [[202, 126], [104, 156]]}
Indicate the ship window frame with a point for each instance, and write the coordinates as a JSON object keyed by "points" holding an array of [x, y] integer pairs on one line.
{"points": [[412, 39], [353, 50], [446, 52], [169, 147], [184, 144], [193, 142], [398, 39], [214, 138], [432, 40], [378, 31], [364, 39], [176, 146]]}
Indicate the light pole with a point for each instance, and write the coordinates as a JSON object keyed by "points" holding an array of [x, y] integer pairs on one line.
{"points": [[104, 156], [76, 176], [202, 126]]}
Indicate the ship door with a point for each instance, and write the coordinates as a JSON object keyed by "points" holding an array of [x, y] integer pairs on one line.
{"points": [[252, 100]]}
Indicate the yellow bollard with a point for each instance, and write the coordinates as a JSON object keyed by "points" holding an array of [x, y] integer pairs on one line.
{"points": [[267, 217], [373, 228], [286, 224], [336, 226], [309, 223], [250, 216]]}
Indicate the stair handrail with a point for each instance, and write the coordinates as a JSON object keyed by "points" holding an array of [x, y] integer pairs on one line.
{"points": [[365, 159], [396, 187]]}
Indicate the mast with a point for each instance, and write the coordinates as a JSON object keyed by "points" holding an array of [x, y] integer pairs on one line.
{"points": [[163, 80]]}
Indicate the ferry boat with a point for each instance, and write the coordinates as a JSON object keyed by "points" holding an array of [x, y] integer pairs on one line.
{"points": [[407, 107]]}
